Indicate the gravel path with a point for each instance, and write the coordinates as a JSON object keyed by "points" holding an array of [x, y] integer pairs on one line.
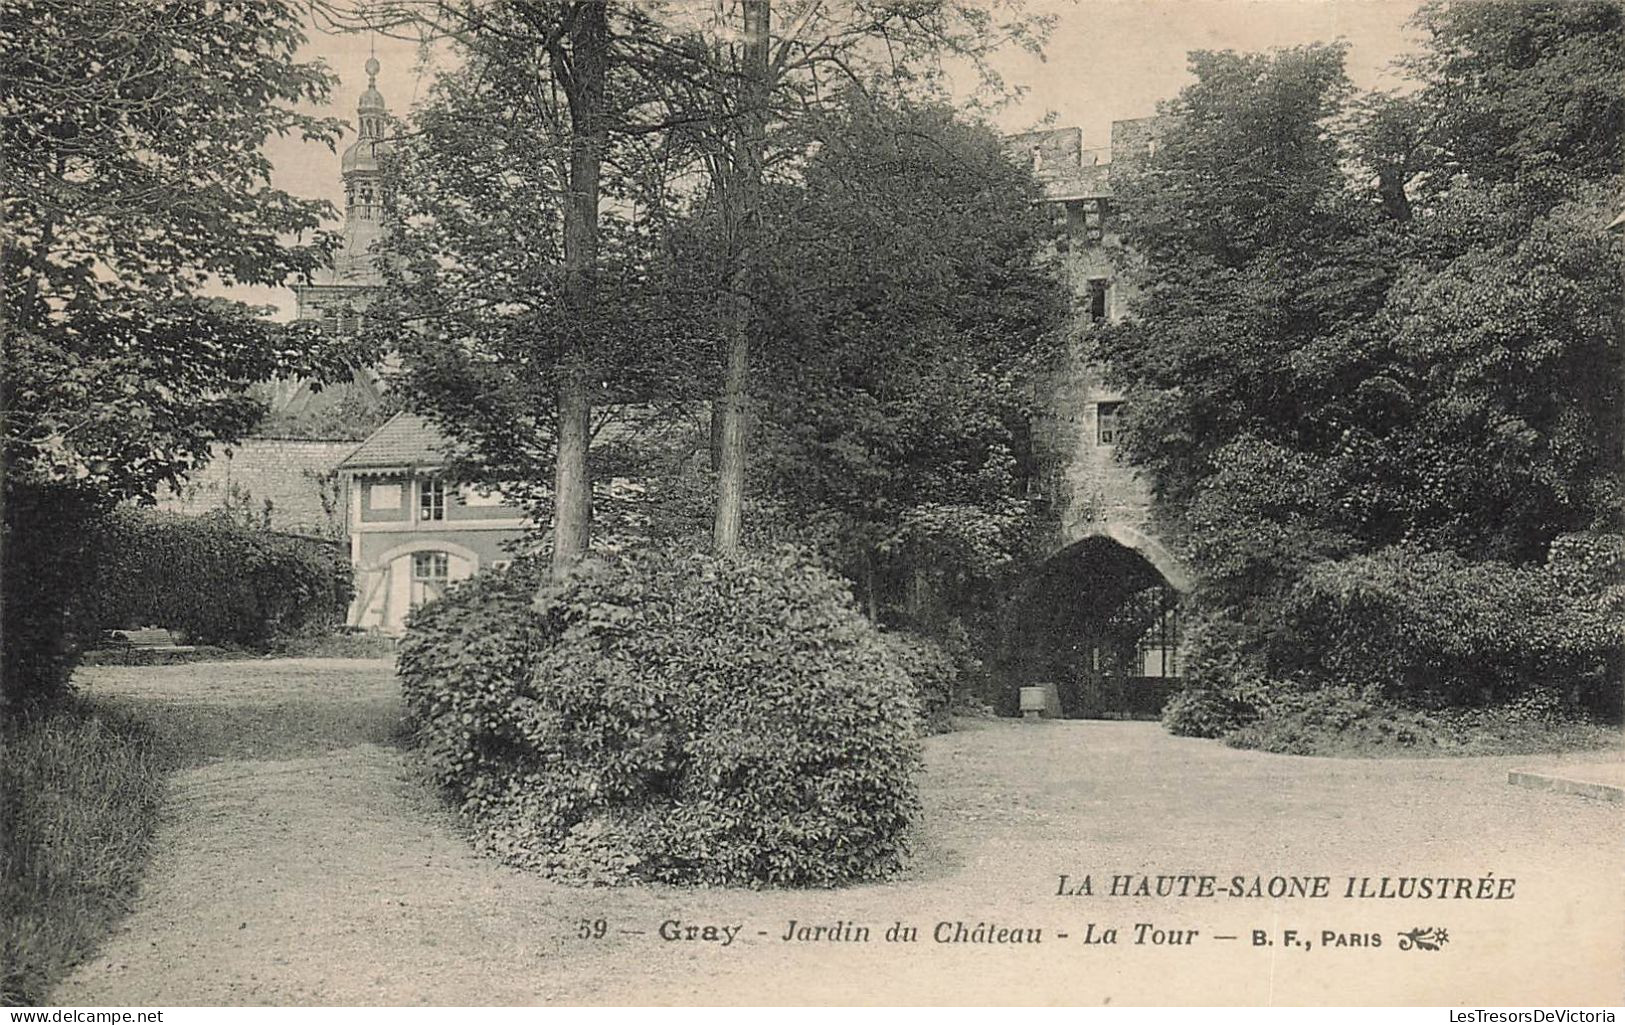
{"points": [[299, 863]]}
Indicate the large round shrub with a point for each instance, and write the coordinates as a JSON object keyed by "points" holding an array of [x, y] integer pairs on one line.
{"points": [[668, 716]]}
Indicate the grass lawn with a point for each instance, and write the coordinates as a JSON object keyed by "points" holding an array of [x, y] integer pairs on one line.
{"points": [[299, 861], [80, 794], [1407, 733]]}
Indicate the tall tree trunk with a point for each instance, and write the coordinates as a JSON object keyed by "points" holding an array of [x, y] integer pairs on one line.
{"points": [[583, 77], [746, 199], [871, 586], [572, 483], [731, 432]]}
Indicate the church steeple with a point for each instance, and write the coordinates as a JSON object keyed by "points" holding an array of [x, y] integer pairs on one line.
{"points": [[338, 297], [362, 164]]}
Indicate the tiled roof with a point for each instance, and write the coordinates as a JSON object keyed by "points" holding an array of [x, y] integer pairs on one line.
{"points": [[409, 440], [406, 439]]}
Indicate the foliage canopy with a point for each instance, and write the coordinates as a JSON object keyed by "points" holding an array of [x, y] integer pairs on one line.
{"points": [[1378, 334], [133, 183]]}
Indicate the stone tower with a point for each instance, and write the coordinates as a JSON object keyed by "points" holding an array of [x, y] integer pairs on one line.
{"points": [[1093, 492]]}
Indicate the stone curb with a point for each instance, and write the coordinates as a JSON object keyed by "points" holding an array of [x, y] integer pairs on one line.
{"points": [[1566, 785]]}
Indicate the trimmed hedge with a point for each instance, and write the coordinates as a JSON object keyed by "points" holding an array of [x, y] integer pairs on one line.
{"points": [[1406, 631], [1344, 723], [668, 716], [1200, 712], [215, 581], [72, 568], [1435, 630], [47, 574]]}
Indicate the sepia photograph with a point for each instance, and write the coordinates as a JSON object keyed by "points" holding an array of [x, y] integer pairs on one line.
{"points": [[812, 503]]}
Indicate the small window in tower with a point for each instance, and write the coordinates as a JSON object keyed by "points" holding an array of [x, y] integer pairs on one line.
{"points": [[1094, 224], [1106, 420], [1099, 291]]}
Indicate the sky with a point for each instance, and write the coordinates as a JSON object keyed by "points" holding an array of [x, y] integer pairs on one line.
{"points": [[1105, 60]]}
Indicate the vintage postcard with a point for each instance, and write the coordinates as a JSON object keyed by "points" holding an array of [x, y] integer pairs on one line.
{"points": [[808, 502]]}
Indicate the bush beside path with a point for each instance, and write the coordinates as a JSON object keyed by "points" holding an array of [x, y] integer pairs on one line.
{"points": [[299, 862]]}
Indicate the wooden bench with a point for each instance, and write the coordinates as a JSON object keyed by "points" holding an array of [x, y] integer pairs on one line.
{"points": [[145, 638]]}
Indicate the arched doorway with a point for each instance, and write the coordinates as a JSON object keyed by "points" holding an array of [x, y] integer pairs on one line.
{"points": [[1098, 626], [406, 576]]}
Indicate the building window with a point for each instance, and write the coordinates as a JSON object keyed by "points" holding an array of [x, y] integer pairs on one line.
{"points": [[431, 500], [1094, 223], [430, 572], [1098, 293], [384, 496], [1106, 414], [434, 566]]}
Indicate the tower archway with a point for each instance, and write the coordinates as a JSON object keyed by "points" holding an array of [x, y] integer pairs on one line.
{"points": [[1097, 626]]}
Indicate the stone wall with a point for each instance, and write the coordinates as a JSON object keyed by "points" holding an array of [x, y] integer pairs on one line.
{"points": [[296, 476], [1088, 486]]}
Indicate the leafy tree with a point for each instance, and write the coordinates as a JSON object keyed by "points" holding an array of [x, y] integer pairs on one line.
{"points": [[1261, 267], [743, 91], [546, 76], [1531, 92], [688, 96], [912, 298], [531, 208], [134, 182], [480, 274], [1380, 327]]}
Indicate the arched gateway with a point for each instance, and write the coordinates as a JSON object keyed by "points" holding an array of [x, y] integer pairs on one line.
{"points": [[1097, 626]]}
